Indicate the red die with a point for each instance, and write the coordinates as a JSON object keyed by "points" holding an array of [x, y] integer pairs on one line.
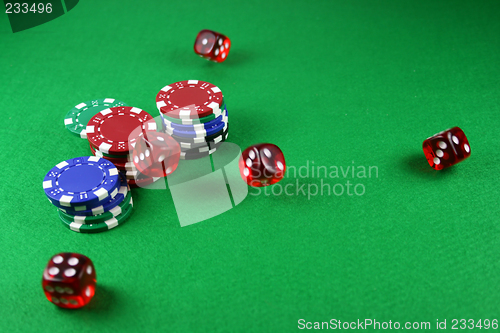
{"points": [[156, 155], [262, 165], [212, 45], [69, 280], [446, 148]]}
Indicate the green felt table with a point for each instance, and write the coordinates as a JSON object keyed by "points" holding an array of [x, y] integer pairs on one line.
{"points": [[335, 84]]}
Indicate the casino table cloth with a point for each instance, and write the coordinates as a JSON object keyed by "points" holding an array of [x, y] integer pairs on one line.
{"points": [[361, 227]]}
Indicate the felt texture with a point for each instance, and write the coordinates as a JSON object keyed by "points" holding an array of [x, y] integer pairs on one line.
{"points": [[338, 84]]}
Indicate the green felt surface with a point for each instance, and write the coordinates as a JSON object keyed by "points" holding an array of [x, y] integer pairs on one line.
{"points": [[334, 83]]}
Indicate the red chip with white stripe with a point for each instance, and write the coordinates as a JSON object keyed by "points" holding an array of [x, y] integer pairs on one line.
{"points": [[191, 99], [115, 130]]}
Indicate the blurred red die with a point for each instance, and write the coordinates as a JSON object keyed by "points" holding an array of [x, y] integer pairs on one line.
{"points": [[212, 45], [446, 148], [262, 165], [156, 154], [69, 280]]}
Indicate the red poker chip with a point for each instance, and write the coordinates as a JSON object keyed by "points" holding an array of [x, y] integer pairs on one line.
{"points": [[141, 182], [114, 130], [114, 160], [100, 154], [191, 99], [120, 166]]}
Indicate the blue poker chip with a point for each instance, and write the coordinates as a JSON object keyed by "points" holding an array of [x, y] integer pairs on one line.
{"points": [[199, 133], [81, 183], [195, 127], [108, 205]]}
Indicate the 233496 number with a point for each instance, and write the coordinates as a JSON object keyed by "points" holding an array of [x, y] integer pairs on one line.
{"points": [[24, 8], [470, 324]]}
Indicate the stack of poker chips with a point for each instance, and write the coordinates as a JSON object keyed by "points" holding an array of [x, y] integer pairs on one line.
{"points": [[90, 193], [194, 113], [112, 134]]}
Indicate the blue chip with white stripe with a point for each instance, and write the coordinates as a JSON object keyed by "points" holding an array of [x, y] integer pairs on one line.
{"points": [[81, 183], [105, 207], [195, 127], [195, 133]]}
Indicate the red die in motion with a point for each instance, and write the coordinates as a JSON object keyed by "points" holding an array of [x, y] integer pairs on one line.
{"points": [[212, 45], [69, 280], [446, 148], [262, 165], [156, 154]]}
